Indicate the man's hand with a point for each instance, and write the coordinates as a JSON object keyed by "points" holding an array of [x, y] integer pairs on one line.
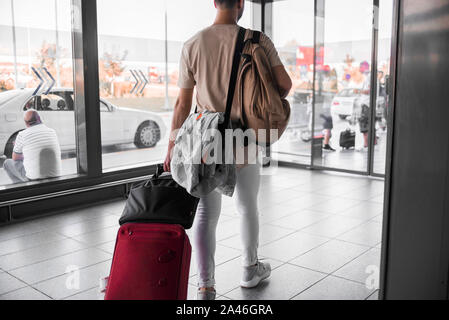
{"points": [[168, 158], [17, 156], [180, 114]]}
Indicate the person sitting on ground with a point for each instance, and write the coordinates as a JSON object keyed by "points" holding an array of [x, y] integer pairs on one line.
{"points": [[36, 154]]}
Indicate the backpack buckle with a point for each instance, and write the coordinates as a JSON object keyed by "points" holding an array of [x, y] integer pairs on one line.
{"points": [[247, 57]]}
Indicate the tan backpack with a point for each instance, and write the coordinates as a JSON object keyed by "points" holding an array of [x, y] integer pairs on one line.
{"points": [[257, 101]]}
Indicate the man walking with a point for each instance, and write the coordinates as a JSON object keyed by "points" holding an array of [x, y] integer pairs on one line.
{"points": [[206, 63]]}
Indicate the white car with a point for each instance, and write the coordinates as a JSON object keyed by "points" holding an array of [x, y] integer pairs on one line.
{"points": [[347, 101], [118, 125]]}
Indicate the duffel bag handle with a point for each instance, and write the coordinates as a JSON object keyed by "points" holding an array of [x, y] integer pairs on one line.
{"points": [[159, 170]]}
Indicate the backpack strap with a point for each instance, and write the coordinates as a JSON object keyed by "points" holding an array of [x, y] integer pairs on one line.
{"points": [[256, 37], [233, 81]]}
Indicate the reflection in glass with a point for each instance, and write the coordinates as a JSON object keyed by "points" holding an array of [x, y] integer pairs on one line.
{"points": [[293, 29], [138, 66], [342, 84], [36, 72]]}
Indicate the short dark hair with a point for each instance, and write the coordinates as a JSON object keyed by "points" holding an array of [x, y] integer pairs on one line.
{"points": [[227, 3]]}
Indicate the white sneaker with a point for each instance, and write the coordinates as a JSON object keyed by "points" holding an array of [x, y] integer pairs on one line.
{"points": [[253, 275]]}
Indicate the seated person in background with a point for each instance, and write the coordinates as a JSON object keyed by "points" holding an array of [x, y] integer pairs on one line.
{"points": [[37, 154]]}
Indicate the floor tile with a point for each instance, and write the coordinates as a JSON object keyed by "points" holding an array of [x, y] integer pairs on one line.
{"points": [[28, 241], [91, 294], [67, 285], [9, 283], [68, 218], [27, 293], [330, 256], [18, 230], [308, 201], [378, 199], [275, 212], [292, 246], [99, 236], [267, 234], [378, 218], [115, 207], [191, 292], [333, 226], [299, 220], [339, 217], [369, 234], [224, 254], [107, 247], [41, 253], [365, 193], [227, 276], [312, 186], [227, 229], [60, 266], [282, 196], [335, 205], [333, 288], [285, 282], [334, 191], [86, 226], [374, 296], [363, 269], [365, 210]]}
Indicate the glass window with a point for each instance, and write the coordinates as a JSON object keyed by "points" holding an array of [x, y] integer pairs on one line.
{"points": [[342, 84], [293, 30], [138, 68], [36, 72]]}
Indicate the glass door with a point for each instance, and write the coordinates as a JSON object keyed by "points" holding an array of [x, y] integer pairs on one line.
{"points": [[342, 83], [292, 34], [383, 85]]}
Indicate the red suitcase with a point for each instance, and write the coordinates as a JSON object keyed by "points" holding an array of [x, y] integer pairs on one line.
{"points": [[151, 262]]}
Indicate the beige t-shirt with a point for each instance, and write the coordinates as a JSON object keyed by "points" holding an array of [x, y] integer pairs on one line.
{"points": [[206, 62]]}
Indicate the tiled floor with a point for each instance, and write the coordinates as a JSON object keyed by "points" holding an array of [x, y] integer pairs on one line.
{"points": [[321, 232]]}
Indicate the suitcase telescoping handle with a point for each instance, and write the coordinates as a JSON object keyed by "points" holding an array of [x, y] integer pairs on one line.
{"points": [[159, 170]]}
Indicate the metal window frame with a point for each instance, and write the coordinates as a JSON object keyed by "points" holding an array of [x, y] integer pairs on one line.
{"points": [[86, 89], [395, 53], [373, 88], [87, 120], [373, 94]]}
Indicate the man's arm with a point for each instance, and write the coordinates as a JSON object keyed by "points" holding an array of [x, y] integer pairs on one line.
{"points": [[182, 110], [283, 80], [17, 153], [281, 76], [17, 156]]}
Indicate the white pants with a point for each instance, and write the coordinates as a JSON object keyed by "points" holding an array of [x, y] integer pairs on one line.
{"points": [[15, 171], [209, 208]]}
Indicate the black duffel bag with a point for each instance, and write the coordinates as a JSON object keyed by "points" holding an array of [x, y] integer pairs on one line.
{"points": [[160, 200]]}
